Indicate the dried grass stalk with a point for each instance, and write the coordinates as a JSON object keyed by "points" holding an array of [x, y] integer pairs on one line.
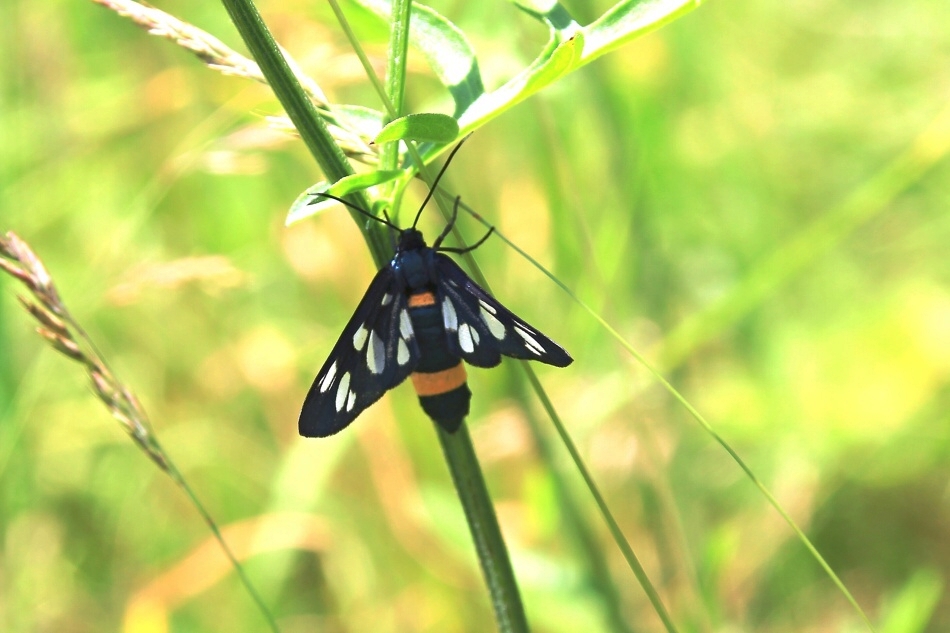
{"points": [[61, 331]]}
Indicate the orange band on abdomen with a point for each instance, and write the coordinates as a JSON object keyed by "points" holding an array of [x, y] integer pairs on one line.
{"points": [[439, 382], [421, 299]]}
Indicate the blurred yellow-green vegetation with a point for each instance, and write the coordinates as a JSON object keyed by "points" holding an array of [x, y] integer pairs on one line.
{"points": [[754, 196]]}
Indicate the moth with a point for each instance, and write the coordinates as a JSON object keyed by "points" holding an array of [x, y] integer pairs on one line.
{"points": [[420, 318]]}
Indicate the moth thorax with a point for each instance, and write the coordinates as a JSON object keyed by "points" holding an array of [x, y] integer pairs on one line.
{"points": [[414, 269]]}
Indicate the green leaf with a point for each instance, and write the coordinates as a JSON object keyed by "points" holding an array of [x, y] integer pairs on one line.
{"points": [[309, 202], [556, 60], [623, 22], [365, 121], [427, 126], [628, 20], [563, 60], [445, 48], [358, 182], [303, 206]]}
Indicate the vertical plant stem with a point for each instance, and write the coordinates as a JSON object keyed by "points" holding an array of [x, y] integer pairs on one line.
{"points": [[483, 523], [388, 105], [396, 73]]}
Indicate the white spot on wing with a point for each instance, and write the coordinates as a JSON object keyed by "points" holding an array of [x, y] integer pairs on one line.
{"points": [[350, 401], [465, 338], [376, 354], [359, 339], [449, 318], [386, 299], [402, 352], [342, 390], [529, 340], [405, 325], [487, 306], [494, 325], [328, 378]]}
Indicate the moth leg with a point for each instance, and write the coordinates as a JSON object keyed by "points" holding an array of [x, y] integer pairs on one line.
{"points": [[462, 251], [448, 227]]}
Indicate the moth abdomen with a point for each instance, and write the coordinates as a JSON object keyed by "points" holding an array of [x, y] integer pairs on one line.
{"points": [[439, 378]]}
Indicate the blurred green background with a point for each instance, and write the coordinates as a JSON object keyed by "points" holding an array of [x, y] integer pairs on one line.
{"points": [[755, 196]]}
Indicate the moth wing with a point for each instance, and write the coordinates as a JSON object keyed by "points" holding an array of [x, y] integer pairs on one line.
{"points": [[376, 352], [480, 330]]}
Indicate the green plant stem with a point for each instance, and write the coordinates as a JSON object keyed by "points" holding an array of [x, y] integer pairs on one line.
{"points": [[383, 91], [302, 113], [489, 543], [396, 73]]}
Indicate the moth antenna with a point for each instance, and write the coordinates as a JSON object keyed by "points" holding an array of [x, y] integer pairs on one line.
{"points": [[435, 183], [392, 233], [360, 209]]}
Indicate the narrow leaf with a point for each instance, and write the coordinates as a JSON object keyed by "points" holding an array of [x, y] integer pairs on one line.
{"points": [[557, 60], [358, 182], [303, 206], [366, 121], [625, 21], [427, 127], [628, 20], [310, 203], [563, 60]]}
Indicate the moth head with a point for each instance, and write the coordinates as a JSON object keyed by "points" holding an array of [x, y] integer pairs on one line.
{"points": [[411, 239]]}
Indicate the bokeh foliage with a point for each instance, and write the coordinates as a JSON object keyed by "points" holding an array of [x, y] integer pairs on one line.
{"points": [[657, 181]]}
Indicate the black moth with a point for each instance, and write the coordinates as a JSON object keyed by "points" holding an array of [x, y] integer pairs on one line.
{"points": [[421, 317]]}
